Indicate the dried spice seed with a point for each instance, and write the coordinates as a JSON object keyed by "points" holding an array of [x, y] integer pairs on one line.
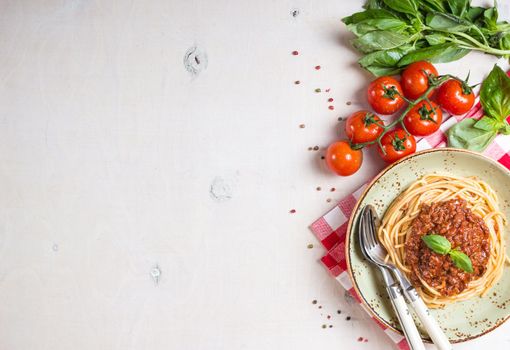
{"points": [[310, 246], [328, 90], [348, 103], [302, 126], [317, 67], [328, 200], [320, 306], [339, 311], [324, 326], [317, 90], [333, 189], [328, 317], [360, 339], [297, 82], [314, 302], [310, 148], [365, 340], [292, 211], [330, 326], [295, 53], [348, 318], [331, 107], [318, 188], [322, 157], [340, 119], [330, 99], [316, 148]]}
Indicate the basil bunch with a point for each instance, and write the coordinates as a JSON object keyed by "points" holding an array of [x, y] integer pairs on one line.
{"points": [[476, 135], [395, 33], [440, 245]]}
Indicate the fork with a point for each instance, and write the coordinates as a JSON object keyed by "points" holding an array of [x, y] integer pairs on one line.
{"points": [[377, 253]]}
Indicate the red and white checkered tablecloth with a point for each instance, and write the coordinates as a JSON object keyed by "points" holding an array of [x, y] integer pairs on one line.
{"points": [[331, 228]]}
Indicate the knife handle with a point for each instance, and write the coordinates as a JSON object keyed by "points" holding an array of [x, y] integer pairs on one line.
{"points": [[404, 317], [435, 332]]}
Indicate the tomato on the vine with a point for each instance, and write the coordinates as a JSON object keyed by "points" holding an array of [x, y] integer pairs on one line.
{"points": [[363, 126], [396, 144], [342, 159], [415, 79], [423, 119], [455, 97], [385, 95]]}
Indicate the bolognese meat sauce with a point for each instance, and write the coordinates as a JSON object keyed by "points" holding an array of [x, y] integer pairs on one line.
{"points": [[465, 231]]}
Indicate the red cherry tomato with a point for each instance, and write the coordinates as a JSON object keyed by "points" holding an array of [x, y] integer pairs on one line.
{"points": [[455, 97], [363, 126], [415, 80], [423, 119], [342, 159], [385, 95], [396, 144]]}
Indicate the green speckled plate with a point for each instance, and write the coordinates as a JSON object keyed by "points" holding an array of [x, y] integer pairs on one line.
{"points": [[463, 320]]}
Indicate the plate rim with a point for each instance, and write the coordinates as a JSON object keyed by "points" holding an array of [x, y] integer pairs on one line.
{"points": [[350, 228]]}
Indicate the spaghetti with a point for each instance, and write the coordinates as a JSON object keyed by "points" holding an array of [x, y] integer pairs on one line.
{"points": [[474, 198]]}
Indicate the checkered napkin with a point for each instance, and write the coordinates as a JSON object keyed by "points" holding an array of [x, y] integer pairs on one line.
{"points": [[331, 228]]}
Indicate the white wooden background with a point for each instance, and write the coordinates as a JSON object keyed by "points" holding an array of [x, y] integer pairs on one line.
{"points": [[110, 237]]}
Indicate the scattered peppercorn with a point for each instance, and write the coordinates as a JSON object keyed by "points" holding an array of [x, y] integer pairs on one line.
{"points": [[348, 318], [295, 53], [319, 188], [328, 317], [339, 311], [317, 67], [310, 246], [328, 90], [330, 326], [340, 119], [317, 90], [322, 157], [331, 107], [297, 82], [360, 339], [324, 326], [320, 306], [302, 126], [365, 340], [348, 103], [292, 211], [314, 302], [310, 148], [328, 200], [330, 99], [316, 148]]}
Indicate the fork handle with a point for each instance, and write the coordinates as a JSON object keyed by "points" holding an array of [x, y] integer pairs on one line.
{"points": [[404, 317], [435, 332]]}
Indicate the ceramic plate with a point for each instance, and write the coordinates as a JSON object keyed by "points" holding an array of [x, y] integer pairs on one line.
{"points": [[463, 320]]}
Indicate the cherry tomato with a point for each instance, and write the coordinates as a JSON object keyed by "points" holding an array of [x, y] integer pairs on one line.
{"points": [[363, 126], [385, 95], [415, 80], [423, 119], [396, 144], [342, 159], [455, 97]]}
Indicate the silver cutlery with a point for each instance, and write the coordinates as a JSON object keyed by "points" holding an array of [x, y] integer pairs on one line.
{"points": [[375, 253]]}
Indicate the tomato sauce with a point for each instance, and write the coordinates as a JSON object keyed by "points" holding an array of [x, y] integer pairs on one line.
{"points": [[463, 229]]}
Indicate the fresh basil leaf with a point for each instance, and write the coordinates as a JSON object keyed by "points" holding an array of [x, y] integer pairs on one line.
{"points": [[504, 42], [379, 40], [384, 62], [435, 39], [403, 6], [458, 7], [447, 22], [488, 124], [432, 5], [439, 244], [461, 260], [464, 135], [369, 25], [495, 94], [490, 17], [474, 13], [373, 4], [441, 53], [368, 14]]}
